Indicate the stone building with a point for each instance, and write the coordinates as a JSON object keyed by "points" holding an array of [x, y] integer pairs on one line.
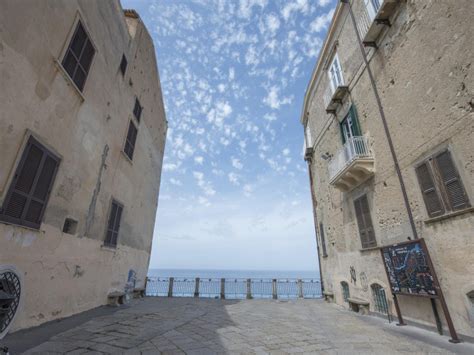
{"points": [[82, 136], [419, 54]]}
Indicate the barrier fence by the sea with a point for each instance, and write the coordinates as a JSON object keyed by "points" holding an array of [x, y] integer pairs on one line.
{"points": [[233, 288]]}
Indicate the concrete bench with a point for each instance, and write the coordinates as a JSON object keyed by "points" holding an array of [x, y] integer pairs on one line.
{"points": [[139, 292], [116, 298], [328, 296], [359, 305]]}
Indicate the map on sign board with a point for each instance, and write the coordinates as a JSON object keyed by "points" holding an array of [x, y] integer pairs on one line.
{"points": [[408, 269]]}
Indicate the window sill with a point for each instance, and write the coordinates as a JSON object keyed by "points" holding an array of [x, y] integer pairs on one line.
{"points": [[126, 157], [449, 215], [69, 80], [110, 248], [369, 249]]}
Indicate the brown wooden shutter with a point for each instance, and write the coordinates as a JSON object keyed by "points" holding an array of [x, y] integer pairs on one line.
{"points": [[364, 221], [131, 139], [113, 225], [452, 184], [430, 194], [27, 197]]}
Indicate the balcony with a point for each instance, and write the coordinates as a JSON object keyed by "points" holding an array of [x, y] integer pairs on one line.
{"points": [[332, 100], [352, 165], [371, 23]]}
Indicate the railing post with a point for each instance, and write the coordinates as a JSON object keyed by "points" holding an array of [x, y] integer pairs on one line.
{"points": [[196, 287], [223, 289], [274, 289], [170, 287], [300, 288], [249, 289]]}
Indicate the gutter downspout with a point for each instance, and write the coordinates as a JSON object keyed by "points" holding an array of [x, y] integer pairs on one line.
{"points": [[315, 203], [384, 122]]}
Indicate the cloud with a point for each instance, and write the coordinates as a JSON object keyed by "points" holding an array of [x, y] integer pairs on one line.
{"points": [[234, 179], [321, 22], [274, 101], [291, 7], [205, 186], [199, 160], [175, 182], [237, 164], [286, 152]]}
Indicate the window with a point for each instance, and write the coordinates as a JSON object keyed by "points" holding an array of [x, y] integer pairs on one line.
{"points": [[373, 7], [29, 191], [137, 110], [309, 139], [345, 291], [380, 299], [113, 225], [131, 139], [123, 64], [335, 73], [78, 58], [364, 221], [441, 185], [70, 226], [350, 126], [323, 239]]}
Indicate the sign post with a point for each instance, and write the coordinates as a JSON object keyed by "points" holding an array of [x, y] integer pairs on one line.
{"points": [[410, 272]]}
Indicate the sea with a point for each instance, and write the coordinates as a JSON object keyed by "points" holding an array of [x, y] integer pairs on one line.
{"points": [[235, 274]]}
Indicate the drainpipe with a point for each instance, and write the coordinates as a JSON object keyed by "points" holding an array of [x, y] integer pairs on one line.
{"points": [[308, 159], [384, 122]]}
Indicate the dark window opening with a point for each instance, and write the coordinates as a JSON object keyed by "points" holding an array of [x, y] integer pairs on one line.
{"points": [[323, 239], [30, 188], [113, 224], [441, 185], [123, 64], [70, 226], [131, 139], [137, 110], [364, 221], [345, 291], [78, 58]]}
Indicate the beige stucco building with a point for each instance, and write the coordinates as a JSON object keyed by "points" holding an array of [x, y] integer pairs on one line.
{"points": [[420, 56], [82, 135]]}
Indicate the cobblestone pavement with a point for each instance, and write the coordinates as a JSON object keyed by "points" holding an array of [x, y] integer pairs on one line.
{"points": [[200, 326]]}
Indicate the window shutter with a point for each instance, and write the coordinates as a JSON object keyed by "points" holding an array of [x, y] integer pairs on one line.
{"points": [[131, 140], [364, 221], [452, 184], [355, 120], [29, 192], [430, 195], [113, 225]]}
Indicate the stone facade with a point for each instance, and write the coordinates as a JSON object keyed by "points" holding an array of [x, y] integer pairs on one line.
{"points": [[69, 269], [422, 68]]}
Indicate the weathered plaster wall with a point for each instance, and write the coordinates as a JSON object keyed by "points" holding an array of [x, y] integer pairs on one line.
{"points": [[65, 274], [423, 70]]}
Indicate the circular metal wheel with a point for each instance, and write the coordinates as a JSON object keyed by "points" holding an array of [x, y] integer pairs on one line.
{"points": [[10, 296]]}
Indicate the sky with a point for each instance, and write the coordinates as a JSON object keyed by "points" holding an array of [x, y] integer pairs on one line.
{"points": [[235, 189]]}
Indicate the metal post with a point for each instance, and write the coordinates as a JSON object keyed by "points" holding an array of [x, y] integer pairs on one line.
{"points": [[384, 123], [170, 287], [196, 287], [249, 289], [274, 289], [300, 288], [223, 289], [399, 314], [439, 326]]}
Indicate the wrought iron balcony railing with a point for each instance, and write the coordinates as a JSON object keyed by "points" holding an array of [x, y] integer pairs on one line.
{"points": [[352, 164]]}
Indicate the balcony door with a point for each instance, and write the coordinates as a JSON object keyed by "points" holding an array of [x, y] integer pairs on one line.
{"points": [[350, 129], [335, 74]]}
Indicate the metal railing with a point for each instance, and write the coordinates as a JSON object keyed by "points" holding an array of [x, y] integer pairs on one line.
{"points": [[233, 288], [354, 148]]}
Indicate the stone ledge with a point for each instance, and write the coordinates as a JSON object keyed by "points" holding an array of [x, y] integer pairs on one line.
{"points": [[449, 215]]}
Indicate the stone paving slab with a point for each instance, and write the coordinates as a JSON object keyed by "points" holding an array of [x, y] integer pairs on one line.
{"points": [[200, 326]]}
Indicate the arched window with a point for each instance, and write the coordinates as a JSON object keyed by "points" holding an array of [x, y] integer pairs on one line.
{"points": [[380, 299], [345, 290]]}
